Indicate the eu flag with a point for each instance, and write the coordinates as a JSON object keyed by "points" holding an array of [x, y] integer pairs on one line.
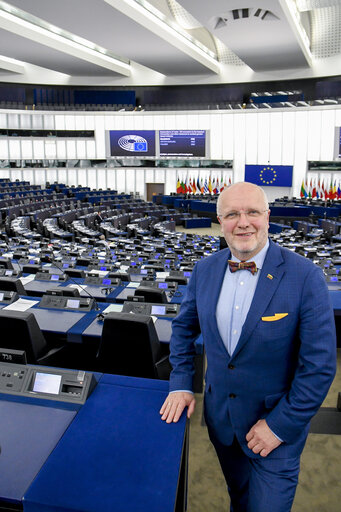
{"points": [[269, 175]]}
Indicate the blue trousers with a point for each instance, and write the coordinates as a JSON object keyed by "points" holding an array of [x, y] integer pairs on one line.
{"points": [[257, 485]]}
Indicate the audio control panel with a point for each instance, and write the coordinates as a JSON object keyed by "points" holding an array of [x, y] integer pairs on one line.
{"points": [[71, 386], [46, 276], [83, 304], [102, 281], [148, 308]]}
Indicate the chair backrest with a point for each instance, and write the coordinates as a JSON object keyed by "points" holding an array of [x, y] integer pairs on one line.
{"points": [[156, 295], [20, 331], [129, 345], [12, 284]]}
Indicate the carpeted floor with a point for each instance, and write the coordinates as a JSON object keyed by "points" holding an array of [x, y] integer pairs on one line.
{"points": [[319, 488]]}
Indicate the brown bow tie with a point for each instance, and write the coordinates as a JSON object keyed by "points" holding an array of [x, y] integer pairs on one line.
{"points": [[243, 265]]}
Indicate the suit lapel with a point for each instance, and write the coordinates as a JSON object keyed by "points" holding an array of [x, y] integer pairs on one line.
{"points": [[271, 275]]}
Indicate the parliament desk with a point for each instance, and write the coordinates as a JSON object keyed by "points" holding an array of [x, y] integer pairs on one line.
{"points": [[111, 454]]}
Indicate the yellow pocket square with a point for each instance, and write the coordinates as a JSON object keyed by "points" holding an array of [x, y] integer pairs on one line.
{"points": [[276, 316]]}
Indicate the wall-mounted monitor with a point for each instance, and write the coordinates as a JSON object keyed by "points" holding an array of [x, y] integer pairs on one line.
{"points": [[131, 143], [188, 143]]}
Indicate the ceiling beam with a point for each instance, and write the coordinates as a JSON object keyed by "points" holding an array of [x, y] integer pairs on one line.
{"points": [[11, 65], [23, 28], [163, 29]]}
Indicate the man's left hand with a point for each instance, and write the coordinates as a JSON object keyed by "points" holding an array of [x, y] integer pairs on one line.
{"points": [[261, 440]]}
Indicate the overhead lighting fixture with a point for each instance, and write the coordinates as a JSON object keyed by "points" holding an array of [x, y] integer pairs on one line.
{"points": [[154, 20], [26, 25]]}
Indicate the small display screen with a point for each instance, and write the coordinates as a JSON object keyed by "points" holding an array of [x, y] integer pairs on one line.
{"points": [[73, 303], [164, 286], [144, 271], [47, 383], [1, 296], [102, 261], [106, 281], [32, 262], [103, 268], [8, 272], [133, 263], [334, 278], [65, 265], [55, 277], [187, 274], [158, 310]]}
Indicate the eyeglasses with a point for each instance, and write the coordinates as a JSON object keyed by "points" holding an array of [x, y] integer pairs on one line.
{"points": [[249, 214]]}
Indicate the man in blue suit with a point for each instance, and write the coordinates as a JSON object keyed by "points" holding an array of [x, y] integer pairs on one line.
{"points": [[268, 327]]}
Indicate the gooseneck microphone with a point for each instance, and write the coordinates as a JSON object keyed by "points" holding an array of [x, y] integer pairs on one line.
{"points": [[53, 262]]}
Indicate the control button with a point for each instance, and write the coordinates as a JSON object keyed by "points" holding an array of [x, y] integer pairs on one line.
{"points": [[232, 395], [231, 367], [9, 385]]}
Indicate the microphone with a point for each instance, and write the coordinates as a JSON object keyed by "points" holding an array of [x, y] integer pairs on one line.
{"points": [[53, 262]]}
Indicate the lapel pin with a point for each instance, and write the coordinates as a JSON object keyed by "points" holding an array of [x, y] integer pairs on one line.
{"points": [[269, 276]]}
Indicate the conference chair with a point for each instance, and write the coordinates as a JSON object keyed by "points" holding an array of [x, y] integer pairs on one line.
{"points": [[20, 331], [10, 284], [156, 295], [130, 346]]}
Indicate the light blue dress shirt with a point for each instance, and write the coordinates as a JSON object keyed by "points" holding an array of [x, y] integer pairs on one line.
{"points": [[235, 299]]}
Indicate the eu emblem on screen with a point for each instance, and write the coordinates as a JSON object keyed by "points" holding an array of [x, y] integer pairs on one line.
{"points": [[269, 175], [131, 143]]}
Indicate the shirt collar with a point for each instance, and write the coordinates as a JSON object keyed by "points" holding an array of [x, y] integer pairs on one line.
{"points": [[258, 258]]}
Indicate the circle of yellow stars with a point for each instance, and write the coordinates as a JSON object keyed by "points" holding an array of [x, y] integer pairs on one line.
{"points": [[270, 181]]}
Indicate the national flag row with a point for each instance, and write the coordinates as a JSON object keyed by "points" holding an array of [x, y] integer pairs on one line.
{"points": [[207, 186], [320, 189]]}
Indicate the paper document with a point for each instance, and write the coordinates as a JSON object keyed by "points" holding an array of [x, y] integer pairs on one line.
{"points": [[27, 279], [133, 284], [116, 308], [21, 305]]}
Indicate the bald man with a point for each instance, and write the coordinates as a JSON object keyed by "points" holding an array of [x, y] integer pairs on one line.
{"points": [[268, 328]]}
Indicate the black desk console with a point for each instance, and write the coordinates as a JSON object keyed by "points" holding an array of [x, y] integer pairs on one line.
{"points": [[148, 308], [8, 297], [67, 303], [102, 281], [71, 386], [46, 276], [169, 285]]}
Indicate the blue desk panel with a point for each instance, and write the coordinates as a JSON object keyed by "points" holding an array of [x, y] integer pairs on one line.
{"points": [[117, 455], [28, 435]]}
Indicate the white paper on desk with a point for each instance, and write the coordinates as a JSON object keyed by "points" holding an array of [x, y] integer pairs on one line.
{"points": [[162, 275], [21, 305], [79, 287], [133, 284], [99, 273], [124, 267], [116, 308], [7, 255], [27, 279]]}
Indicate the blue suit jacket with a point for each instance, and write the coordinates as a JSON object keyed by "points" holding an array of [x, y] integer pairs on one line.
{"points": [[282, 366]]}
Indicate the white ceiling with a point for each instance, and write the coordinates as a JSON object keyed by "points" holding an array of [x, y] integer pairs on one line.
{"points": [[160, 42]]}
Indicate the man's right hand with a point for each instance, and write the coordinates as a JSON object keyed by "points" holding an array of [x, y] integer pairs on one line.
{"points": [[174, 405]]}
